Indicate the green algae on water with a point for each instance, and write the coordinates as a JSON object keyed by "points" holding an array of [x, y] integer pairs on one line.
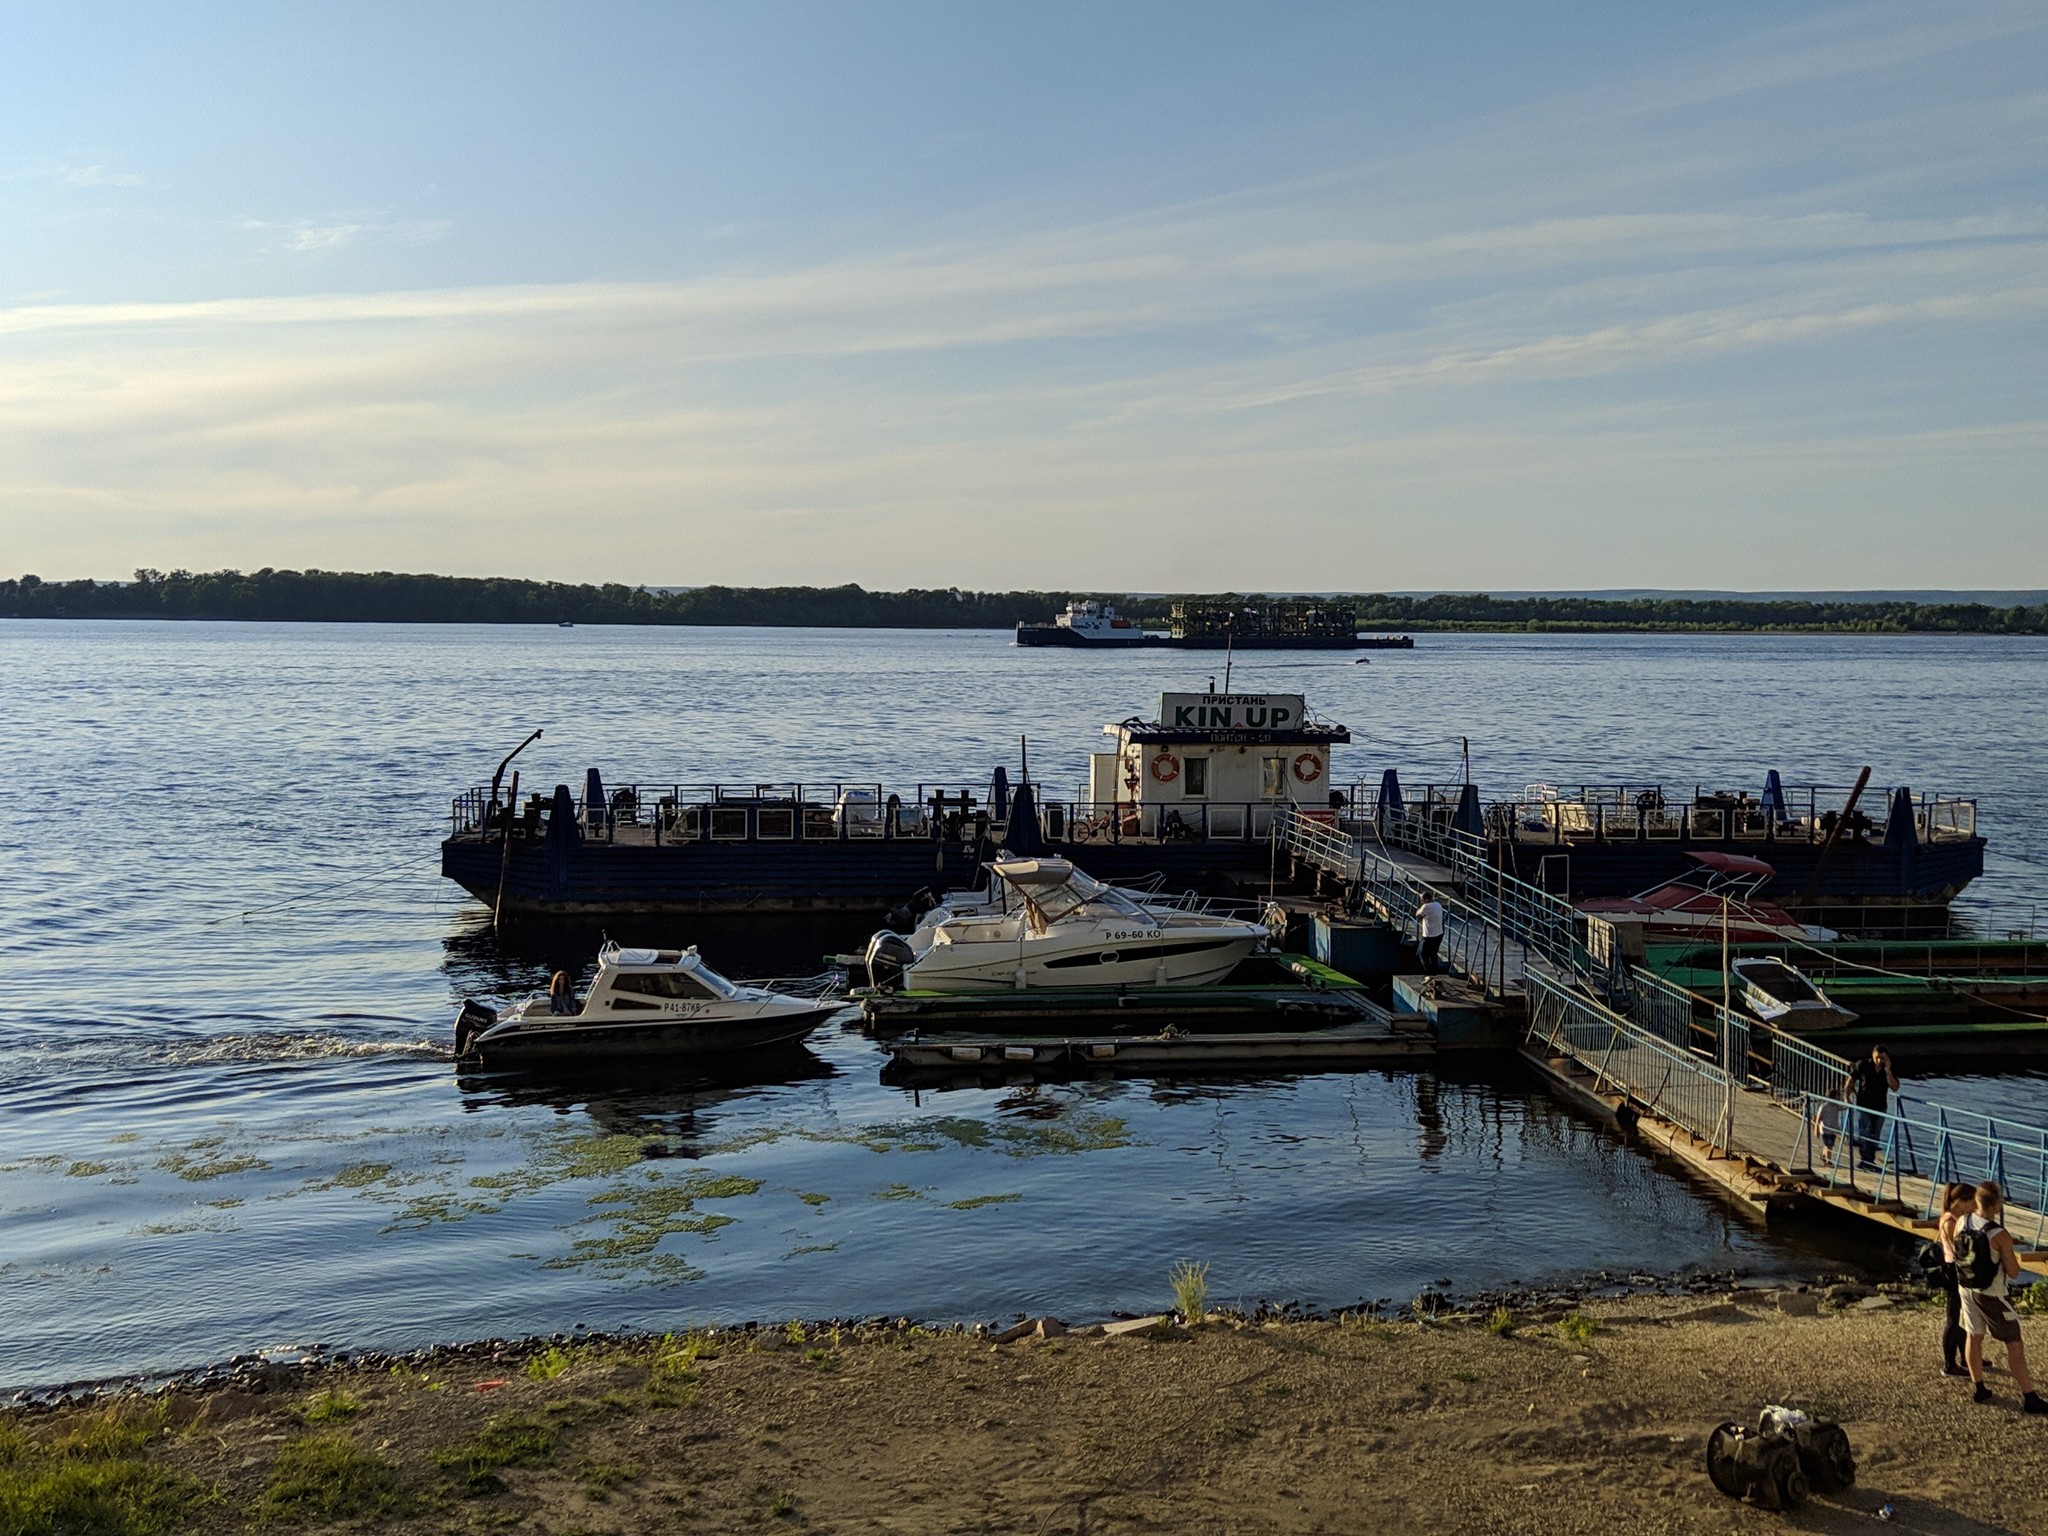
{"points": [[641, 1215], [978, 1201]]}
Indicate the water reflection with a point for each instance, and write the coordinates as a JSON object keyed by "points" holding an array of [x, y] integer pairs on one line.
{"points": [[676, 1110]]}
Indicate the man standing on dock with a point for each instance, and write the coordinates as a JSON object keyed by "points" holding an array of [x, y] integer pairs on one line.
{"points": [[1430, 917], [1869, 1086]]}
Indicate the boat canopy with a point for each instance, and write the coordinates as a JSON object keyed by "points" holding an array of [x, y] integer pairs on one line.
{"points": [[1733, 864], [1053, 890], [616, 958]]}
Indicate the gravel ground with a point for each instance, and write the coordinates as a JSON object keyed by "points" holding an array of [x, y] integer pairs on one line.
{"points": [[1344, 1426]]}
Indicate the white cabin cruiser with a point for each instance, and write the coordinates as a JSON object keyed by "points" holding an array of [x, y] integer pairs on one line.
{"points": [[1058, 927], [642, 1002]]}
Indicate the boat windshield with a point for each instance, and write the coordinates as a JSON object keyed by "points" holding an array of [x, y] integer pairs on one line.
{"points": [[670, 973], [1080, 897], [1779, 980]]}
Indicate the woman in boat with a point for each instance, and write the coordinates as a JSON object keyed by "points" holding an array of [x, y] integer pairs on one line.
{"points": [[1957, 1201], [562, 996]]}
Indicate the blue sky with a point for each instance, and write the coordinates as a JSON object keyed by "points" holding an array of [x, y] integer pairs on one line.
{"points": [[1141, 296]]}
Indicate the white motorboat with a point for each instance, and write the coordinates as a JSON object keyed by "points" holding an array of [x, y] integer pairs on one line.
{"points": [[1056, 926], [1780, 994], [642, 1002]]}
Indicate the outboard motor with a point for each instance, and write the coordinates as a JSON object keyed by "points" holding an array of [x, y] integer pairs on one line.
{"points": [[889, 956], [1783, 1459], [472, 1021]]}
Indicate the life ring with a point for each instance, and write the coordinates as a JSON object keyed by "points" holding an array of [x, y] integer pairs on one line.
{"points": [[1308, 767], [1165, 767]]}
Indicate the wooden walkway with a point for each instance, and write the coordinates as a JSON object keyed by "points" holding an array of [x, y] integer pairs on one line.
{"points": [[1755, 1151]]}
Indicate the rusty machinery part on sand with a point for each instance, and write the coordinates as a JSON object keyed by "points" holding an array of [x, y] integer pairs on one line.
{"points": [[1787, 1456]]}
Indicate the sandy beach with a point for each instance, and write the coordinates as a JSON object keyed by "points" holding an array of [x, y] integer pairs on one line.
{"points": [[1593, 1422]]}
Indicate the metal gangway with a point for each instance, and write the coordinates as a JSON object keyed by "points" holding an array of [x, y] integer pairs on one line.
{"points": [[1771, 1108], [1497, 929], [1762, 1110]]}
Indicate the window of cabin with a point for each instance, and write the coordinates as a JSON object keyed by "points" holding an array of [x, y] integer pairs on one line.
{"points": [[1273, 777], [662, 984], [1197, 776]]}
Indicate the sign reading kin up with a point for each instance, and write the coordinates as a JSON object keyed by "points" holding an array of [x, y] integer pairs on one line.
{"points": [[1231, 711]]}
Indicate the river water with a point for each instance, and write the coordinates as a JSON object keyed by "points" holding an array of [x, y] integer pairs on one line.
{"points": [[228, 969]]}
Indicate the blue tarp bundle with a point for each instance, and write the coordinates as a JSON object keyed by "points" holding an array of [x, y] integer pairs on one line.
{"points": [[1390, 794], [1898, 831], [1468, 818], [1023, 839], [1774, 796]]}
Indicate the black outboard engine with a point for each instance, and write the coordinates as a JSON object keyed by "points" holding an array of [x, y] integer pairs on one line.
{"points": [[889, 956], [472, 1021]]}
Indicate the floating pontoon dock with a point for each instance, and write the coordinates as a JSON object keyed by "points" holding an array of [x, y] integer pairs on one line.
{"points": [[1271, 992], [1379, 1038]]}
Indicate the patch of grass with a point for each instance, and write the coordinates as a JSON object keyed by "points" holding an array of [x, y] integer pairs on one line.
{"points": [[548, 1364], [2033, 1298], [823, 1359], [779, 1501], [1190, 1284], [332, 1407], [1501, 1323], [1467, 1377], [114, 1433], [1426, 1307], [606, 1475], [111, 1496], [329, 1477], [506, 1440], [1577, 1328], [1278, 1389]]}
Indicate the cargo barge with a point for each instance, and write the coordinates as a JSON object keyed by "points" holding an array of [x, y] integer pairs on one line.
{"points": [[1185, 801], [1198, 626]]}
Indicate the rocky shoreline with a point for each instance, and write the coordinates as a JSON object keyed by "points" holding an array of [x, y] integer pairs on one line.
{"points": [[293, 1367]]}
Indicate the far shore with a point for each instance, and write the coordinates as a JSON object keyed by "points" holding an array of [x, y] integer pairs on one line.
{"points": [[1552, 1420]]}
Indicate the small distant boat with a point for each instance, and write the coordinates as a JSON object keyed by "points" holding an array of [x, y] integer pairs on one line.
{"points": [[1721, 890], [565, 623], [1779, 994], [1059, 927], [642, 1002]]}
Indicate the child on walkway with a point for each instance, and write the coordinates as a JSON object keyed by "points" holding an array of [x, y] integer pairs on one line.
{"points": [[1985, 1261]]}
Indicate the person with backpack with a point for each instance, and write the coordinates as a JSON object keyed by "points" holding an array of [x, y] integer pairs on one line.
{"points": [[1985, 1262], [1957, 1201]]}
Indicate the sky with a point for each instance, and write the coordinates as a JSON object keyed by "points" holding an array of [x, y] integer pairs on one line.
{"points": [[1118, 297]]}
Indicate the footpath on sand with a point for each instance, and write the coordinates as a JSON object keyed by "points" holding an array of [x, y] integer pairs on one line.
{"points": [[1595, 1423]]}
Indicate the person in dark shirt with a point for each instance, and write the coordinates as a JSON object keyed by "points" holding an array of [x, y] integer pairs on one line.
{"points": [[1869, 1086]]}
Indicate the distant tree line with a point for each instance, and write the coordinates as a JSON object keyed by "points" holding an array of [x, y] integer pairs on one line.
{"points": [[392, 598]]}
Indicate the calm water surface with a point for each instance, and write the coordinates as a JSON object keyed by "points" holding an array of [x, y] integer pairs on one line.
{"points": [[228, 1119]]}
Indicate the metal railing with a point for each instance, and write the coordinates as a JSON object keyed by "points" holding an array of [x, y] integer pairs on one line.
{"points": [[1663, 1079], [1656, 1056], [1491, 918], [1637, 812], [1921, 1141]]}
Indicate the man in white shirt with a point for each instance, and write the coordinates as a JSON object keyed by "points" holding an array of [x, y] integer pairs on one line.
{"points": [[1430, 916]]}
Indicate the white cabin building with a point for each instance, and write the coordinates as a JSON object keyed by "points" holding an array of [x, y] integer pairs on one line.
{"points": [[1215, 764]]}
